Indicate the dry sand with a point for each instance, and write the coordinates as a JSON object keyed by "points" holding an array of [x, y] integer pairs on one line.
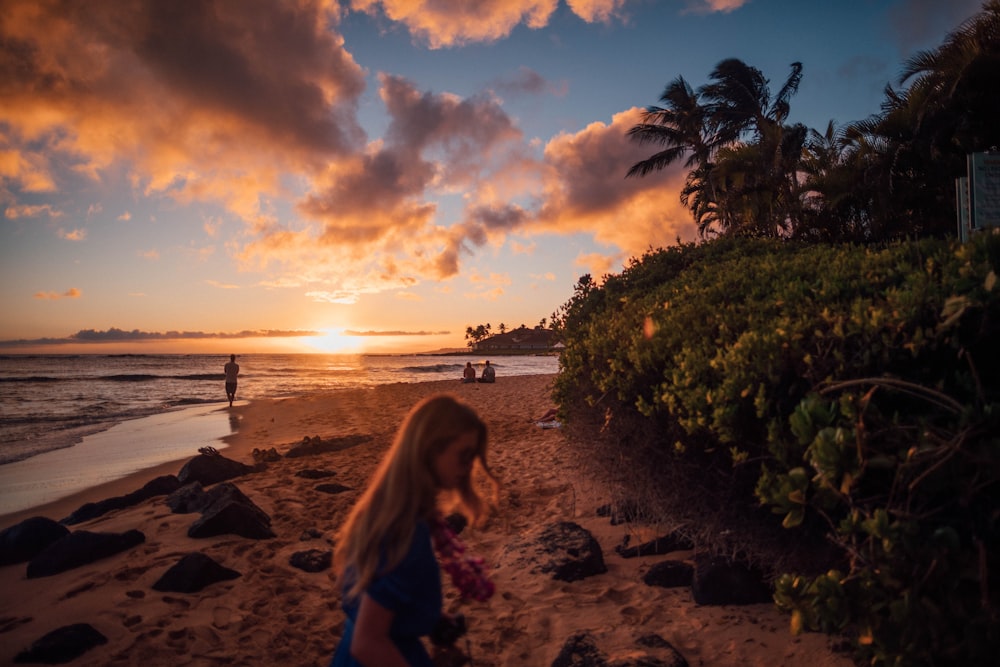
{"points": [[275, 614]]}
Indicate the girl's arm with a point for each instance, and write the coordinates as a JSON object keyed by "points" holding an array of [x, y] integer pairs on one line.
{"points": [[371, 644]]}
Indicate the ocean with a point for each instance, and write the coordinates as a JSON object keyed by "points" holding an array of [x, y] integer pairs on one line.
{"points": [[48, 402]]}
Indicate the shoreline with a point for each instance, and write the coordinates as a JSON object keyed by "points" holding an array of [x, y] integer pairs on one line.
{"points": [[115, 453], [273, 613]]}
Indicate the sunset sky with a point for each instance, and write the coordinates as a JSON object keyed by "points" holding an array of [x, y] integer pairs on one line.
{"points": [[379, 173]]}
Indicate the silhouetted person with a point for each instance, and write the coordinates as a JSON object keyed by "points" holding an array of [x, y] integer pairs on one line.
{"points": [[232, 370], [489, 373], [469, 374]]}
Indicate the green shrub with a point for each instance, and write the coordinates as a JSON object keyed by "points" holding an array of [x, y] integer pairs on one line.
{"points": [[857, 388]]}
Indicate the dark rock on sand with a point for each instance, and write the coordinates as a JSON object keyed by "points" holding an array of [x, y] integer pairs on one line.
{"points": [[312, 560], [312, 473], [580, 650], [657, 547], [160, 486], [332, 489], [564, 550], [192, 573], [720, 581], [23, 541], [231, 512], [310, 534], [669, 574], [211, 469], [317, 445], [79, 548], [189, 498], [669, 655], [62, 645]]}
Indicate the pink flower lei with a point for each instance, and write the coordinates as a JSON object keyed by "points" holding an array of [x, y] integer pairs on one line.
{"points": [[468, 573]]}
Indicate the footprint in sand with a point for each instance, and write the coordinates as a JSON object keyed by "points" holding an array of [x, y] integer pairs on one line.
{"points": [[221, 617]]}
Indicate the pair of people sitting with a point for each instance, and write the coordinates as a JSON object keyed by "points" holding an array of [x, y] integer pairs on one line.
{"points": [[469, 375]]}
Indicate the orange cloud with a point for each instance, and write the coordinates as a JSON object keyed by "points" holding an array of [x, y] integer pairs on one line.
{"points": [[594, 11], [709, 6], [71, 293], [447, 24], [29, 170], [201, 100], [15, 212], [585, 190], [73, 234], [444, 24]]}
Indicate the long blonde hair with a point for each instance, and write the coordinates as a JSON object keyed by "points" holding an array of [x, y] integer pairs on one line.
{"points": [[378, 531]]}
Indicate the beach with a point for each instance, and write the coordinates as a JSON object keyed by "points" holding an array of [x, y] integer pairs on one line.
{"points": [[276, 614]]}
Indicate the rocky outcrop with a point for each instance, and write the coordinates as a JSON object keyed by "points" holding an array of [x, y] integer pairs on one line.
{"points": [[669, 574], [160, 486], [564, 550], [79, 548], [192, 573], [62, 645], [208, 469], [231, 512], [23, 541]]}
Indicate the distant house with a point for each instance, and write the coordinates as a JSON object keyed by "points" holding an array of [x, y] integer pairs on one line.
{"points": [[520, 341]]}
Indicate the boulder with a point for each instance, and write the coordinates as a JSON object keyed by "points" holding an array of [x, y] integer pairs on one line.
{"points": [[581, 650], [313, 560], [160, 486], [79, 548], [564, 550], [189, 498], [62, 645], [192, 573], [719, 581], [669, 574], [23, 541], [211, 469], [231, 512], [317, 445]]}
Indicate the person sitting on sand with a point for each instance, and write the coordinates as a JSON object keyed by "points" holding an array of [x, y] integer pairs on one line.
{"points": [[385, 553], [489, 373], [469, 374]]}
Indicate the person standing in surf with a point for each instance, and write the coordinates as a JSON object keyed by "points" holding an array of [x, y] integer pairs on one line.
{"points": [[232, 371]]}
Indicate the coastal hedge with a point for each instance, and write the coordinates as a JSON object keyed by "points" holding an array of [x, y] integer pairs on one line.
{"points": [[854, 391]]}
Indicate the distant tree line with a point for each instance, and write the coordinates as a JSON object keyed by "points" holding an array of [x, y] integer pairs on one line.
{"points": [[480, 332], [888, 176]]}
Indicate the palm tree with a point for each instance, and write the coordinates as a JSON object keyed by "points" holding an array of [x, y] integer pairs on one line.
{"points": [[679, 126], [733, 118], [959, 83]]}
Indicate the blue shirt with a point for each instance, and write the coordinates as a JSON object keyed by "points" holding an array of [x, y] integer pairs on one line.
{"points": [[412, 591]]}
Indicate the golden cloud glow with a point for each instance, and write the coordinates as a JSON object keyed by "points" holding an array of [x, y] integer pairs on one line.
{"points": [[71, 293], [443, 24]]}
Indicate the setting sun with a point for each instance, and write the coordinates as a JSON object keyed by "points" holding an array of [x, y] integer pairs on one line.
{"points": [[333, 341]]}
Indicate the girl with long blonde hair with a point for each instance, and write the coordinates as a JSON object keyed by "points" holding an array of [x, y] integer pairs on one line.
{"points": [[385, 552]]}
